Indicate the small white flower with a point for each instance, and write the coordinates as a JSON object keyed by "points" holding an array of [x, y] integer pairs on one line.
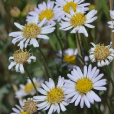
{"points": [[26, 107], [30, 32], [19, 58], [103, 55], [80, 86], [77, 20], [44, 10], [69, 58], [111, 23], [28, 88], [62, 7], [53, 96]]}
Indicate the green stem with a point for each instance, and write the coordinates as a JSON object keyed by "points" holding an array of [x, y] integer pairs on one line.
{"points": [[108, 106], [80, 58], [79, 43], [46, 65], [93, 110], [60, 44], [109, 76], [31, 80]]}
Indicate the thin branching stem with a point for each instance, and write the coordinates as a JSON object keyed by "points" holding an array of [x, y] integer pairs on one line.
{"points": [[28, 74], [60, 44], [46, 65]]}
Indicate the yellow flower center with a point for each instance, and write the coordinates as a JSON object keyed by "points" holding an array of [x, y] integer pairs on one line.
{"points": [[101, 52], [29, 88], [48, 14], [66, 7], [24, 113], [77, 19], [21, 56], [83, 85], [56, 95], [30, 107], [31, 30], [70, 59]]}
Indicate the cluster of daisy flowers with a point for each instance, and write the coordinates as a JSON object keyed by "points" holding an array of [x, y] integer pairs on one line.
{"points": [[78, 88], [73, 16]]}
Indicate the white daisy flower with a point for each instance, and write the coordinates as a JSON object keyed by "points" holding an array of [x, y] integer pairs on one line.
{"points": [[30, 32], [69, 58], [26, 107], [44, 10], [77, 20], [111, 23], [19, 58], [62, 7], [101, 54], [28, 88], [80, 86], [53, 97]]}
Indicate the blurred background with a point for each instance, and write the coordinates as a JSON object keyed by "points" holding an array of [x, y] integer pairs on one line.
{"points": [[16, 11]]}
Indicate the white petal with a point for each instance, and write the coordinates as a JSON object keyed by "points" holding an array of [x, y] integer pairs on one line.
{"points": [[85, 71], [11, 65], [42, 104], [79, 71], [17, 68], [26, 43], [15, 34], [34, 42], [98, 78], [62, 107], [100, 88], [78, 100], [82, 102], [71, 95], [45, 87], [51, 109], [71, 77], [39, 97], [86, 101], [15, 110], [89, 26], [42, 22], [43, 37], [95, 96], [74, 98], [21, 68], [18, 25], [42, 91]]}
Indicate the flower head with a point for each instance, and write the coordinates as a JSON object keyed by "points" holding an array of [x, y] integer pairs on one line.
{"points": [[30, 32], [28, 88], [30, 106], [77, 20], [101, 54], [111, 23], [53, 96], [80, 86], [19, 58], [44, 10], [69, 58], [15, 12], [63, 7], [26, 107]]}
